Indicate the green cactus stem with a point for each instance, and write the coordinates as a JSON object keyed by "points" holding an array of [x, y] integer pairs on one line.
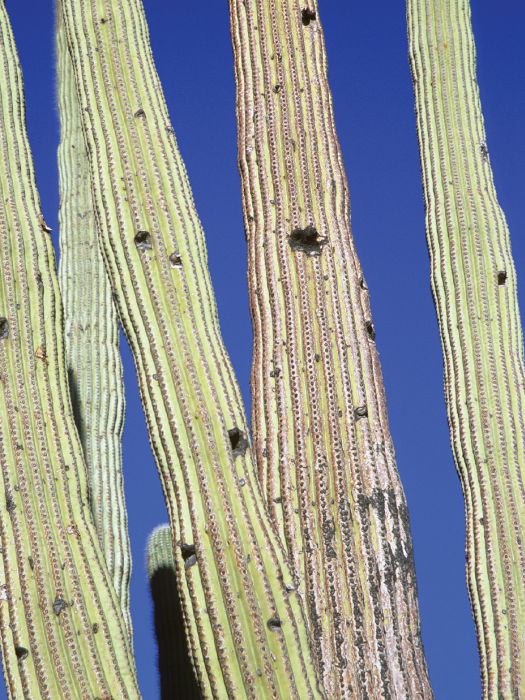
{"points": [[177, 676], [154, 251], [62, 632], [474, 287], [91, 336], [321, 437]]}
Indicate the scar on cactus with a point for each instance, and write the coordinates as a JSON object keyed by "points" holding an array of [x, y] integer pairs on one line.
{"points": [[308, 16], [306, 240], [238, 442]]}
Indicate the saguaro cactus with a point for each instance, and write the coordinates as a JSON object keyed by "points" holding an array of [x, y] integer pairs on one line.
{"points": [[474, 287], [61, 629], [176, 675], [91, 336], [321, 436], [246, 630]]}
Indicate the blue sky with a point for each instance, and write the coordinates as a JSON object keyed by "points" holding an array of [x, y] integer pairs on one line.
{"points": [[372, 91]]}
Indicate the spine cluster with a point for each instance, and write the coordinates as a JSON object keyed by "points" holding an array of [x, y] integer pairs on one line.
{"points": [[474, 287], [62, 632], [321, 438]]}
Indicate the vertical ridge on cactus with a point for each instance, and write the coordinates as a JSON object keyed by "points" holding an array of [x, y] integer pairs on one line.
{"points": [[321, 437], [91, 336], [154, 251], [176, 674], [61, 629], [474, 286]]}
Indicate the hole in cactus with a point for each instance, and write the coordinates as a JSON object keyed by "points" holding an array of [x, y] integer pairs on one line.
{"points": [[143, 240], [4, 328], [370, 330], [140, 113], [188, 554], [361, 412], [308, 16], [274, 623], [238, 442], [306, 240], [21, 653], [9, 503], [59, 605], [502, 277], [175, 260]]}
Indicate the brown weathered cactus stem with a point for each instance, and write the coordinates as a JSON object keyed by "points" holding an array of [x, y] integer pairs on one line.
{"points": [[321, 436], [244, 620], [474, 287], [91, 336], [62, 632]]}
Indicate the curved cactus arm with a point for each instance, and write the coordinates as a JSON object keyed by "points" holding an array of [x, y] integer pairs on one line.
{"points": [[321, 437], [474, 287], [245, 625], [61, 629], [91, 336], [177, 675]]}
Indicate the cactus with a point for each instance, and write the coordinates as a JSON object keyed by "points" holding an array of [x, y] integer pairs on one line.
{"points": [[244, 620], [91, 336], [474, 287], [321, 436], [61, 629], [177, 677]]}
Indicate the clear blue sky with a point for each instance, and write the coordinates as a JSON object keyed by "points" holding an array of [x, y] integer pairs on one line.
{"points": [[370, 80]]}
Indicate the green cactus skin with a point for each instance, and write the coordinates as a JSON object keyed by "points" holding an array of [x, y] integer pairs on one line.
{"points": [[321, 436], [91, 336], [177, 676], [61, 629], [246, 629], [474, 287]]}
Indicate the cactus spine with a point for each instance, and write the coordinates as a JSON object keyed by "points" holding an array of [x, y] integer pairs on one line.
{"points": [[177, 677], [244, 621], [61, 629], [474, 287], [91, 336], [321, 436]]}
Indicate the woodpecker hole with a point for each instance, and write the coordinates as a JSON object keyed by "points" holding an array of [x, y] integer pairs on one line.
{"points": [[4, 328], [238, 441], [502, 277], [274, 623], [143, 240], [370, 330], [306, 240], [308, 16]]}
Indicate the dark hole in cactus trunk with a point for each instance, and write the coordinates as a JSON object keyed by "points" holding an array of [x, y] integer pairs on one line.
{"points": [[175, 260], [306, 240], [140, 113], [370, 330], [4, 328], [274, 623], [21, 653], [188, 554], [361, 412], [59, 605], [143, 240], [238, 442], [9, 503], [502, 277], [308, 16]]}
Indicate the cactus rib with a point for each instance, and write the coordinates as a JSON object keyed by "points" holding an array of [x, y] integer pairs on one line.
{"points": [[321, 437], [154, 252], [177, 677], [54, 586], [91, 336], [474, 287]]}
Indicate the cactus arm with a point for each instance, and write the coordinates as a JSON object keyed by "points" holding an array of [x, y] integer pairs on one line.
{"points": [[474, 287], [61, 630], [177, 676], [91, 336], [154, 252], [321, 436]]}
